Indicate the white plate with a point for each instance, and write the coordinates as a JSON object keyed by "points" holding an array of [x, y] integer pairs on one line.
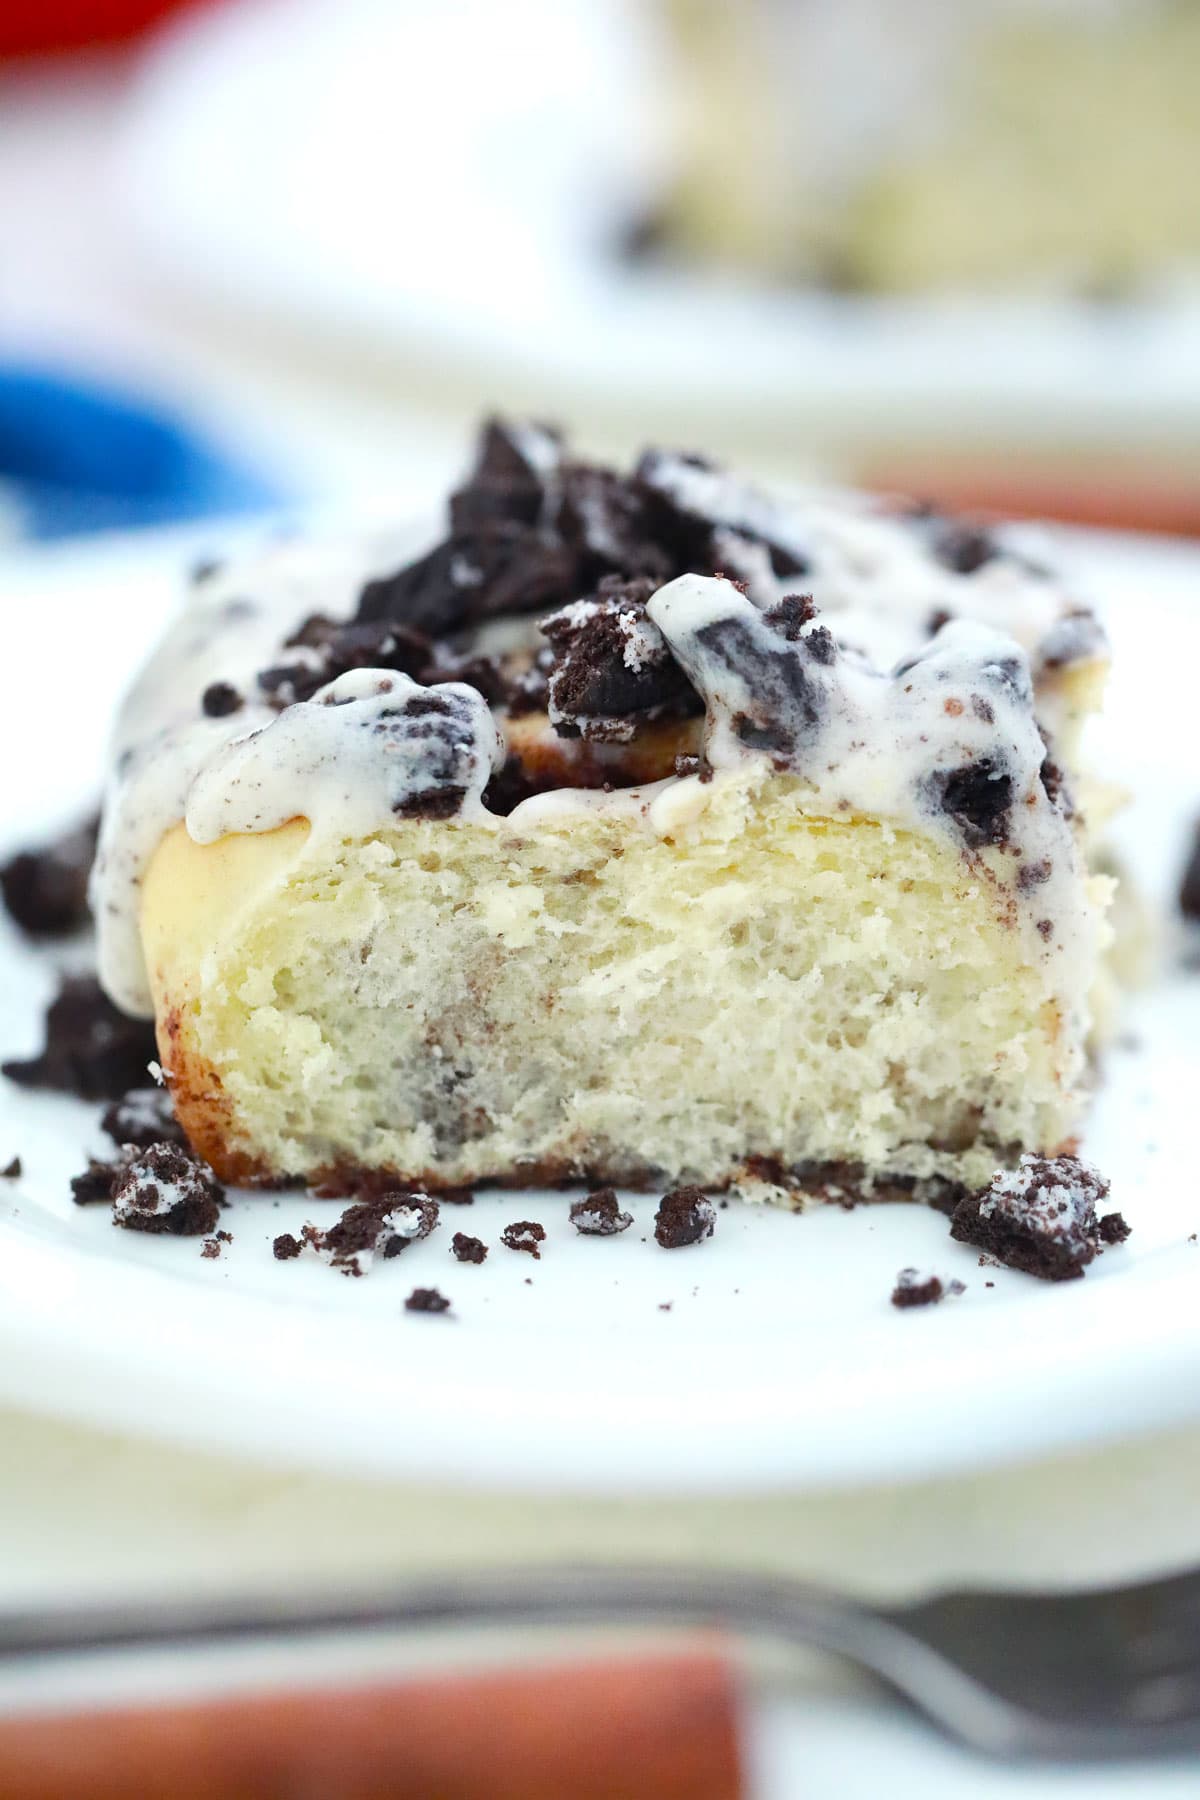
{"points": [[780, 1360], [445, 184]]}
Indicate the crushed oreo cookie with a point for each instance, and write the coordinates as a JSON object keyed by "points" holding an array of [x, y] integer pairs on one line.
{"points": [[1039, 1218], [95, 1186], [91, 1050], [219, 700], [211, 1247], [286, 1247], [426, 1300], [165, 1190], [963, 546], [978, 797], [330, 649], [685, 1216], [381, 1227], [45, 891], [524, 1234], [600, 1215], [699, 513], [533, 528], [468, 1249], [143, 1116], [913, 1288], [612, 670], [1114, 1228], [11, 1170]]}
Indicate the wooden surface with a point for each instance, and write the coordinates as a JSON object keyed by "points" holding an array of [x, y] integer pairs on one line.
{"points": [[651, 1728]]}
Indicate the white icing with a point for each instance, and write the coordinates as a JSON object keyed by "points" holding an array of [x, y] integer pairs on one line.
{"points": [[232, 626], [882, 745], [871, 574], [1057, 1209], [357, 752], [364, 749]]}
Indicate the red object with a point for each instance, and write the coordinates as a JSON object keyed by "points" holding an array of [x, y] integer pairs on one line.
{"points": [[1117, 499], [50, 27]]}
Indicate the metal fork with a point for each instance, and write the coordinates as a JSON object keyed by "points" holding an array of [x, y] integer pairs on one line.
{"points": [[1104, 1673]]}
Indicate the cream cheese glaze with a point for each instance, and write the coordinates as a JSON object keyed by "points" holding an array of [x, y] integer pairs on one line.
{"points": [[875, 705]]}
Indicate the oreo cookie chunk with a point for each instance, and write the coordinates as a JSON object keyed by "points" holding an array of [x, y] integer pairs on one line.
{"points": [[505, 551], [685, 1216], [1039, 1218], [600, 1215], [426, 1300], [142, 1117], [766, 676], [381, 1227], [46, 891], [698, 513], [96, 1185], [913, 1288], [524, 1234], [978, 797], [612, 669], [468, 1249], [164, 1190], [91, 1050], [329, 649]]}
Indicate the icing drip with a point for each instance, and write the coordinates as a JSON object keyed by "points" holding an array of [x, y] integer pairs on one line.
{"points": [[368, 748]]}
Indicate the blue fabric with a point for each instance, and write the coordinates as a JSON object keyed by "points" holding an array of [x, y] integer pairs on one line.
{"points": [[78, 457]]}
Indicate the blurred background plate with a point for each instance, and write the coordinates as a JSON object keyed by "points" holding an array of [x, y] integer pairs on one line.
{"points": [[446, 189]]}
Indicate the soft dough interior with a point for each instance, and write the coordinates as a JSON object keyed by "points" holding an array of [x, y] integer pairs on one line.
{"points": [[453, 1002]]}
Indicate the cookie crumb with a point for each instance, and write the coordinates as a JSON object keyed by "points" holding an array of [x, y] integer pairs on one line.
{"points": [[1114, 1228], [45, 891], [220, 699], [92, 1050], [11, 1170], [143, 1116], [685, 1216], [368, 1228], [165, 1190], [285, 1247], [468, 1249], [599, 1214], [95, 1186], [1039, 1218], [524, 1234], [426, 1300], [914, 1288]]}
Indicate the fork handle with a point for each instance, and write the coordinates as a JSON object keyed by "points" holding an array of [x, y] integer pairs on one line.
{"points": [[660, 1727]]}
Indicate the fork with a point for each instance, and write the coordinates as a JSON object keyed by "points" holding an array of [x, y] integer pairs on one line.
{"points": [[1093, 1674]]}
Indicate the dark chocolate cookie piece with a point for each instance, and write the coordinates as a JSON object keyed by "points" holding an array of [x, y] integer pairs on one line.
{"points": [[685, 1216], [91, 1049], [1039, 1218], [612, 668], [166, 1191], [45, 889]]}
